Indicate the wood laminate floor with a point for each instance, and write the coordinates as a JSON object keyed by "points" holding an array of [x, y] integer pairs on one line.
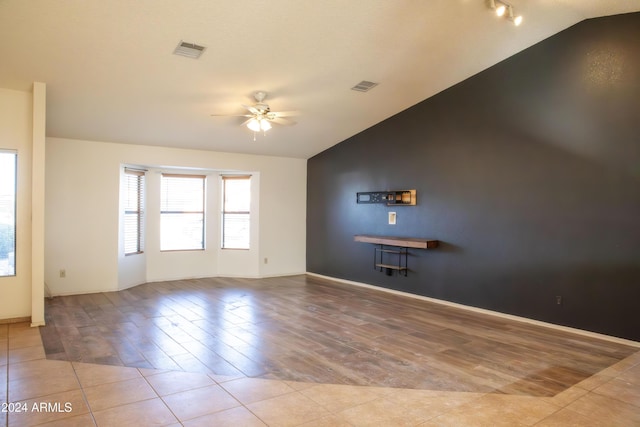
{"points": [[302, 328]]}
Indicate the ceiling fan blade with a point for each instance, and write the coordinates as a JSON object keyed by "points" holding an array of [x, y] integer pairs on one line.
{"points": [[286, 113], [231, 115], [282, 121], [253, 110]]}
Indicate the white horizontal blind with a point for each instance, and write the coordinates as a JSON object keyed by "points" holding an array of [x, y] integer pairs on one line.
{"points": [[182, 212], [8, 162], [133, 189], [236, 211]]}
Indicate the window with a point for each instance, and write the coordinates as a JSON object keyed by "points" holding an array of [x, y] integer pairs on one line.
{"points": [[182, 212], [133, 189], [8, 213], [236, 202]]}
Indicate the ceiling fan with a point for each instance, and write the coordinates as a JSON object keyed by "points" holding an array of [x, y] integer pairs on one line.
{"points": [[260, 117]]}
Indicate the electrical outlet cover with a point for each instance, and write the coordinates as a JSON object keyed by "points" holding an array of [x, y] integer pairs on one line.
{"points": [[392, 218]]}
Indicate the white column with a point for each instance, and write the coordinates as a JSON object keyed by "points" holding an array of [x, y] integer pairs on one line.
{"points": [[37, 203]]}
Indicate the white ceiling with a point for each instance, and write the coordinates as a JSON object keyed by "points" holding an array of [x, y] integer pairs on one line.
{"points": [[111, 74]]}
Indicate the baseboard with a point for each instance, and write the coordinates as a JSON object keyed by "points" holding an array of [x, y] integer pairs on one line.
{"points": [[485, 311], [15, 320]]}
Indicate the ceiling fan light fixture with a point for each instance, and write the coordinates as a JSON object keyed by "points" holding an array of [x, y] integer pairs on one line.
{"points": [[254, 125], [265, 125]]}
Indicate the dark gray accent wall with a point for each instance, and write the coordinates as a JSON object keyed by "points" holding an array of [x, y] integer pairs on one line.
{"points": [[529, 175]]}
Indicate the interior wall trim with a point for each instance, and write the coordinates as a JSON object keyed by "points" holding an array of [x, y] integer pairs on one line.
{"points": [[15, 320], [582, 332]]}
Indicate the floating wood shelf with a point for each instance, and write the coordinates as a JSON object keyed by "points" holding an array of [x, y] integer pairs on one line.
{"points": [[402, 243]]}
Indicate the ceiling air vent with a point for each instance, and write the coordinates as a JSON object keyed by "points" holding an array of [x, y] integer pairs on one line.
{"points": [[364, 86], [190, 50]]}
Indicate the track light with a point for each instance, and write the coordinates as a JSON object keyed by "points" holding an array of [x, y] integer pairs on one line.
{"points": [[517, 20], [505, 9]]}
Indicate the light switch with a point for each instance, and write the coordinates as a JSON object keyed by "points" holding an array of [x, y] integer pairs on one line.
{"points": [[392, 218]]}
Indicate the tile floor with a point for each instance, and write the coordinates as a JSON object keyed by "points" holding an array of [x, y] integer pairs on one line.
{"points": [[304, 329], [60, 393]]}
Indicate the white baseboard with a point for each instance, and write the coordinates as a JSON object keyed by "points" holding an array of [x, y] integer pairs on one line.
{"points": [[488, 312]]}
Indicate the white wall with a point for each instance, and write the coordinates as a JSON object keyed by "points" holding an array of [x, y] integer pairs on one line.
{"points": [[16, 110], [82, 217]]}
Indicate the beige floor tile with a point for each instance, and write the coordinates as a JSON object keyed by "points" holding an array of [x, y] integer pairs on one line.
{"points": [[621, 390], [21, 328], [633, 360], [24, 354], [336, 398], [223, 378], [429, 403], [109, 395], [498, 410], [566, 397], [55, 407], [623, 365], [146, 413], [250, 390], [79, 421], [171, 382], [381, 412], [43, 385], [191, 404], [568, 418], [328, 421], [25, 340], [632, 375], [3, 351], [296, 385], [146, 372], [3, 386], [235, 417], [288, 410], [38, 369], [91, 375], [604, 408]]}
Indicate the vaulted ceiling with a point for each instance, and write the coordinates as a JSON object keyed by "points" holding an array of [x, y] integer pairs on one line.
{"points": [[112, 76]]}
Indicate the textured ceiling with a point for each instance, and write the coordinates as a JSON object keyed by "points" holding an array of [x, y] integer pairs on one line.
{"points": [[111, 74]]}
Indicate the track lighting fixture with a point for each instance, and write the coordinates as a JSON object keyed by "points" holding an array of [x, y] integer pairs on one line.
{"points": [[505, 9]]}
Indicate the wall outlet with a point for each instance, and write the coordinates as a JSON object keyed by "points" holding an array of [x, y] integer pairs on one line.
{"points": [[392, 218], [559, 300], [63, 273]]}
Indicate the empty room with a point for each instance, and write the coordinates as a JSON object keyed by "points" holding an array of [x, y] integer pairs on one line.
{"points": [[341, 213]]}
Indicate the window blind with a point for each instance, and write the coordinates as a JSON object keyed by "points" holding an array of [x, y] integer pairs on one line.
{"points": [[236, 211], [8, 168], [182, 222], [134, 183]]}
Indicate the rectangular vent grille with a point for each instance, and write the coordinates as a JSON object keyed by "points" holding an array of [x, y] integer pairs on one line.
{"points": [[364, 86], [190, 50]]}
